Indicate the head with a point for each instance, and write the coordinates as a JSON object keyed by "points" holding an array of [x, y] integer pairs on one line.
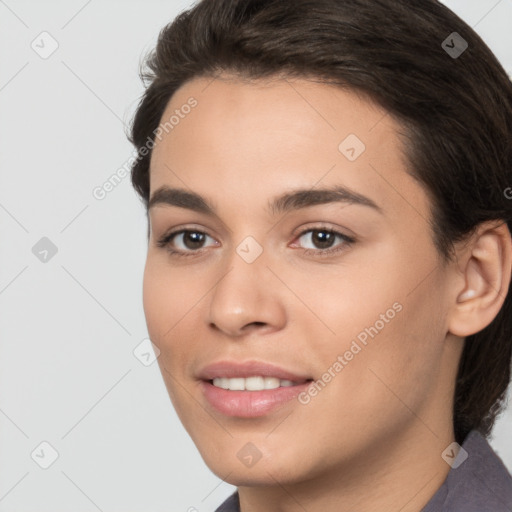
{"points": [[250, 101]]}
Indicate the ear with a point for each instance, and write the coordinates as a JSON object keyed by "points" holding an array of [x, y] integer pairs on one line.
{"points": [[481, 286]]}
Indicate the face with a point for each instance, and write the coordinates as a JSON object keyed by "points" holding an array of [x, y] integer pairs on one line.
{"points": [[310, 252]]}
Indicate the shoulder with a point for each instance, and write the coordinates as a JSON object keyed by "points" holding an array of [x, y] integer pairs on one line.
{"points": [[231, 504], [481, 483]]}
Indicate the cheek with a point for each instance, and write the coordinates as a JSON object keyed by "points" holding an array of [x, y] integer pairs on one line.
{"points": [[168, 295], [163, 311], [403, 359], [171, 297], [390, 327], [156, 301], [166, 304]]}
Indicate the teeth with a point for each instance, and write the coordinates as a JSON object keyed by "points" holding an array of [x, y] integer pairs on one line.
{"points": [[251, 383]]}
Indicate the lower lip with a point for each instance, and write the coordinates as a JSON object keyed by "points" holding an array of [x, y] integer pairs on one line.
{"points": [[249, 404]]}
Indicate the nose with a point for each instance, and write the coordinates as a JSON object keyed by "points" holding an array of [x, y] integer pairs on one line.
{"points": [[247, 298]]}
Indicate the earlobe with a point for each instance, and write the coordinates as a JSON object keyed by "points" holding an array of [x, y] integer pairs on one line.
{"points": [[485, 263]]}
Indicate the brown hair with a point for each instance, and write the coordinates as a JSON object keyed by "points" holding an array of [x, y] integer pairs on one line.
{"points": [[455, 109]]}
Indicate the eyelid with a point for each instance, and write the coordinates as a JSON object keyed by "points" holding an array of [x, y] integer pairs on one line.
{"points": [[324, 226]]}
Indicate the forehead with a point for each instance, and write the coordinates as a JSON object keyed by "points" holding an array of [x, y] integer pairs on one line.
{"points": [[256, 138], [257, 110]]}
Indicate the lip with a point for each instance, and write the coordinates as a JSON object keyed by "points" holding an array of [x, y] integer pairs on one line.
{"points": [[249, 404], [231, 369]]}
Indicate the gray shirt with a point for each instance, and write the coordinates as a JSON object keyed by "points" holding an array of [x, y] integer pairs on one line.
{"points": [[481, 483]]}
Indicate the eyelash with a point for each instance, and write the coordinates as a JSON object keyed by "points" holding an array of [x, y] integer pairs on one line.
{"points": [[164, 242]]}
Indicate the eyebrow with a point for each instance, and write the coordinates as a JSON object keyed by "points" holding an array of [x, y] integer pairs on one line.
{"points": [[294, 200]]}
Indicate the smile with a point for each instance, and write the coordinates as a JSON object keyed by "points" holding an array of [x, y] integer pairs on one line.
{"points": [[244, 402], [256, 383]]}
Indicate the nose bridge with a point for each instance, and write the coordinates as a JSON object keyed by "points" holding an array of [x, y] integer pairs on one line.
{"points": [[244, 295]]}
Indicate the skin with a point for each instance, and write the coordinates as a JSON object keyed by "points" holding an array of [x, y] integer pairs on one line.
{"points": [[372, 439]]}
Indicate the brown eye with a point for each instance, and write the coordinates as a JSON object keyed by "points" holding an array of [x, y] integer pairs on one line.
{"points": [[193, 239], [186, 242], [322, 241]]}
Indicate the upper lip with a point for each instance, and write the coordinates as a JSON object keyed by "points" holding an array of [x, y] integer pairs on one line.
{"points": [[231, 369]]}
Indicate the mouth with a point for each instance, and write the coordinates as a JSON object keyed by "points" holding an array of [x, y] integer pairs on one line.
{"points": [[254, 383], [251, 399], [250, 389]]}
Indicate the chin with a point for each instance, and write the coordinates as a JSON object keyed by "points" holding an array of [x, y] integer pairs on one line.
{"points": [[265, 471]]}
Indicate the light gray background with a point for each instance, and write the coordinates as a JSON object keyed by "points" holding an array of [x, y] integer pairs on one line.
{"points": [[68, 375]]}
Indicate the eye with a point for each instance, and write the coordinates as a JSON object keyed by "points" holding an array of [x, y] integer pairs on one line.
{"points": [[322, 240], [191, 242], [188, 242]]}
